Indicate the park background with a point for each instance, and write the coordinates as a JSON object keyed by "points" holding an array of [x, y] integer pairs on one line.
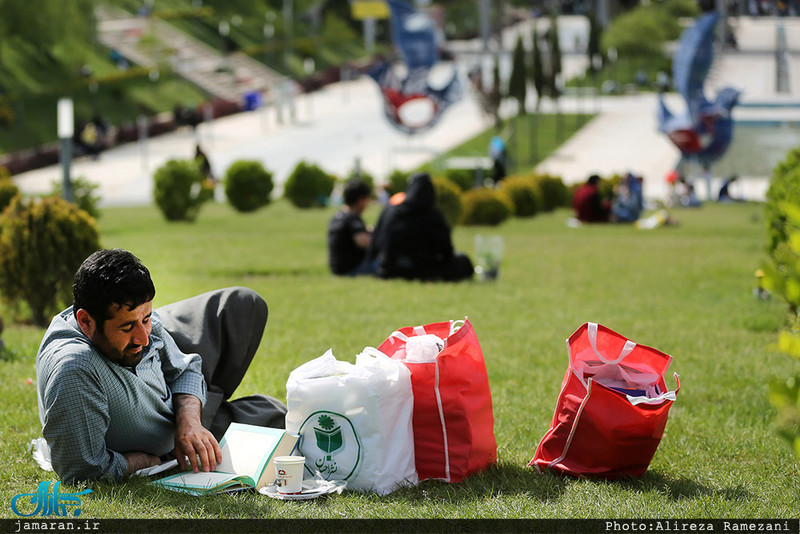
{"points": [[687, 290]]}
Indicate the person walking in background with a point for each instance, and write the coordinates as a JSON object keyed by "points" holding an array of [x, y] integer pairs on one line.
{"points": [[348, 236], [412, 239], [499, 155], [205, 165], [725, 194], [588, 205]]}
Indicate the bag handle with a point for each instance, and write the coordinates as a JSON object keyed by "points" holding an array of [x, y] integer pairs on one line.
{"points": [[627, 349], [666, 396], [456, 325], [373, 354]]}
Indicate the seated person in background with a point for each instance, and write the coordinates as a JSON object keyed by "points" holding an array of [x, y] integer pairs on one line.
{"points": [[724, 191], [348, 236], [412, 239], [686, 194], [120, 385], [588, 205], [628, 203]]}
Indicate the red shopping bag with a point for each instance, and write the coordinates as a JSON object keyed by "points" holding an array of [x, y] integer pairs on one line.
{"points": [[453, 419], [612, 409]]}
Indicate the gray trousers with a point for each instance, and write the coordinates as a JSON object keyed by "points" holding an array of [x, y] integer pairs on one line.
{"points": [[225, 327]]}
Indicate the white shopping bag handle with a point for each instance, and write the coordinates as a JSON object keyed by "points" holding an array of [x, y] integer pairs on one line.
{"points": [[627, 349]]}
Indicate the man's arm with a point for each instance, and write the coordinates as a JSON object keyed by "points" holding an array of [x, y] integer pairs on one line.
{"points": [[191, 438], [362, 239], [184, 378]]}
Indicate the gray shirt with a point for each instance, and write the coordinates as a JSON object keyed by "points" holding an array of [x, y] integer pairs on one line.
{"points": [[92, 410]]}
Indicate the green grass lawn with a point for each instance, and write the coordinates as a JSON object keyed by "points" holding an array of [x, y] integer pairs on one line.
{"points": [[530, 138], [686, 290]]}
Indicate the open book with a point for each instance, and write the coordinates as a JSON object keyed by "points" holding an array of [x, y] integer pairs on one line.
{"points": [[247, 462]]}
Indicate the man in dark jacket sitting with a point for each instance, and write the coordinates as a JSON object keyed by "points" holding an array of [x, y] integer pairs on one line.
{"points": [[412, 239]]}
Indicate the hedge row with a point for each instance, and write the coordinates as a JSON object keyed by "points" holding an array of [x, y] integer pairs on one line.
{"points": [[782, 277]]}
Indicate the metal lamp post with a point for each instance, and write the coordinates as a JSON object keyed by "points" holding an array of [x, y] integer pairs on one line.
{"points": [[612, 59], [269, 33], [66, 129]]}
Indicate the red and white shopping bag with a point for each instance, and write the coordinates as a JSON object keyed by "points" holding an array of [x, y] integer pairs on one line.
{"points": [[453, 419], [612, 409]]}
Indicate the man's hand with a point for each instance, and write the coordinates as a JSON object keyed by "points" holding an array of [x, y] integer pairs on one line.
{"points": [[139, 460], [191, 438]]}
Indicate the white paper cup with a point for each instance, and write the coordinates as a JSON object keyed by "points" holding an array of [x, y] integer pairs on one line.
{"points": [[289, 473]]}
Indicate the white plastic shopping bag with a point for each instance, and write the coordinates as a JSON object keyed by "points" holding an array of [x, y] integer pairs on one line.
{"points": [[354, 421]]}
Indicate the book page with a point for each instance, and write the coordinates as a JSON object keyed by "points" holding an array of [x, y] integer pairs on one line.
{"points": [[154, 470], [202, 480], [247, 449]]}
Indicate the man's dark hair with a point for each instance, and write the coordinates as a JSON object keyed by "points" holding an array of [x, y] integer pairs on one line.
{"points": [[354, 191], [111, 277], [593, 180]]}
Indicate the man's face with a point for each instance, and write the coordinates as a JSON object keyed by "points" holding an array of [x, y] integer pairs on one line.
{"points": [[124, 335], [362, 205]]}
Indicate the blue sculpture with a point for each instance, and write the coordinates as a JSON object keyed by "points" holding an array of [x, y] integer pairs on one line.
{"points": [[705, 131], [414, 36]]}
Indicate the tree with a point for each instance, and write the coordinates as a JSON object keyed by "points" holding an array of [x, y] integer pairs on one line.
{"points": [[496, 94], [593, 45], [537, 70], [554, 47], [517, 84]]}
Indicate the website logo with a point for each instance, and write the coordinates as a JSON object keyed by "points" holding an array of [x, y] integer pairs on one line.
{"points": [[331, 445], [46, 502]]}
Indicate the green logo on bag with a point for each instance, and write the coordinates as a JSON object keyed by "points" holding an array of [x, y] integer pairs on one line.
{"points": [[329, 438], [335, 450]]}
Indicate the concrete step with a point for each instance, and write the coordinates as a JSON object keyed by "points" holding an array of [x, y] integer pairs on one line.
{"points": [[150, 42]]}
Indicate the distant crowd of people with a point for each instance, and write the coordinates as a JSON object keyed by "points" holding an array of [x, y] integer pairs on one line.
{"points": [[411, 239]]}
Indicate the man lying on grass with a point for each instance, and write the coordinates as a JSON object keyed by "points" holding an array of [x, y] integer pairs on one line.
{"points": [[120, 386]]}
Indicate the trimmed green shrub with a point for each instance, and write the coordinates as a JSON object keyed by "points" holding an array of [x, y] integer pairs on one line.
{"points": [[553, 192], [782, 276], [8, 190], [398, 181], [485, 206], [448, 200], [248, 185], [782, 211], [180, 188], [84, 192], [308, 186], [362, 175], [42, 244], [784, 187], [463, 178], [641, 32], [524, 194], [680, 8]]}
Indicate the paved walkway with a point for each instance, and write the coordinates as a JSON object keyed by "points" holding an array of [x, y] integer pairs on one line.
{"points": [[344, 123], [625, 136]]}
